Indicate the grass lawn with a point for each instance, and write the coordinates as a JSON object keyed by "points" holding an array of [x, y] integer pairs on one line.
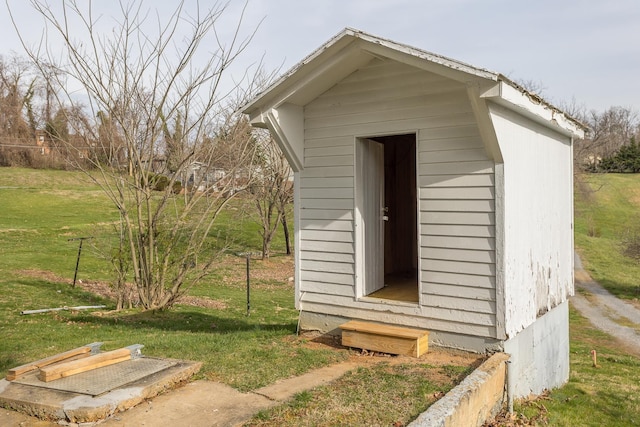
{"points": [[41, 210], [607, 212]]}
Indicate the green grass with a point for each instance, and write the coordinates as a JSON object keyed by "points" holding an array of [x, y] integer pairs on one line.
{"points": [[378, 395], [41, 210], [607, 210], [608, 395]]}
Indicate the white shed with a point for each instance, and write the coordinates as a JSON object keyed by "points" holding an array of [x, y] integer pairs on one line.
{"points": [[432, 194]]}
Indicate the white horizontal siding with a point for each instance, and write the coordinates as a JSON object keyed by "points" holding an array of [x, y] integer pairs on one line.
{"points": [[457, 224], [348, 258], [327, 266], [327, 203], [321, 246], [308, 286], [456, 197], [431, 205], [326, 193], [468, 255], [457, 291], [327, 235], [326, 224]]}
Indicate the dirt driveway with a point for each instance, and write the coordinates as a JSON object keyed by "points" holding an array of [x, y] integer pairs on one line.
{"points": [[605, 311]]}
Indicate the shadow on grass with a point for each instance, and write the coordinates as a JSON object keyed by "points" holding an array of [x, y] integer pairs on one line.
{"points": [[57, 293], [185, 321], [46, 294]]}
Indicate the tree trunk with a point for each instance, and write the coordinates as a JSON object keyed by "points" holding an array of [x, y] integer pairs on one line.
{"points": [[285, 229]]}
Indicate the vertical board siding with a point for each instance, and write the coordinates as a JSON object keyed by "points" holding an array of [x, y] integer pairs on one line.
{"points": [[455, 176]]}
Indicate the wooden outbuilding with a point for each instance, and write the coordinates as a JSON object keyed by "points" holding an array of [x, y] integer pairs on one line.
{"points": [[430, 194]]}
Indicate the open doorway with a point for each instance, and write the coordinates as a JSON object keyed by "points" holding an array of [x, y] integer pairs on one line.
{"points": [[388, 199]]}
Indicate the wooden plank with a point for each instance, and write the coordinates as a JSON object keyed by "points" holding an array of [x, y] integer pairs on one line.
{"points": [[74, 367], [385, 338], [381, 329], [385, 344], [18, 371]]}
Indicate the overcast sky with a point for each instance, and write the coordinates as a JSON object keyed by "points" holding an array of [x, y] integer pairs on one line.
{"points": [[583, 49]]}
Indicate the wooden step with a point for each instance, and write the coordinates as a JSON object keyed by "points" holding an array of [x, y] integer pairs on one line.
{"points": [[385, 338]]}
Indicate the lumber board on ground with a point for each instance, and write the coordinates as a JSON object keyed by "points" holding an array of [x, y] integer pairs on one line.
{"points": [[83, 365], [80, 352], [385, 338]]}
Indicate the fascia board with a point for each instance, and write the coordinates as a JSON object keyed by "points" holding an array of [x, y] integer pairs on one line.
{"points": [[529, 105]]}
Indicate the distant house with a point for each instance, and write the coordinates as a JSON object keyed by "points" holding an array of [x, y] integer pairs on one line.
{"points": [[429, 193]]}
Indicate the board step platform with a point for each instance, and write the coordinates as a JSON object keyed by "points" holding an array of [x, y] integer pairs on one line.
{"points": [[385, 338]]}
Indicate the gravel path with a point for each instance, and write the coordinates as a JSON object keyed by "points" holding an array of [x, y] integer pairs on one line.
{"points": [[605, 311]]}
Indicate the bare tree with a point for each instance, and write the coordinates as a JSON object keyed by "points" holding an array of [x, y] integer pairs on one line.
{"points": [[610, 130], [271, 191], [16, 90], [148, 86]]}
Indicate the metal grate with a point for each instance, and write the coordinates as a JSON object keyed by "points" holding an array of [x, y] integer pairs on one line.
{"points": [[102, 380]]}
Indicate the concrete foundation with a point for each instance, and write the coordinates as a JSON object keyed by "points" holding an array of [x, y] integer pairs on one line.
{"points": [[72, 407], [540, 354], [330, 324], [479, 397]]}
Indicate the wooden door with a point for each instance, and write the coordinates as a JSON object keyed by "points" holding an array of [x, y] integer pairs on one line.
{"points": [[370, 204]]}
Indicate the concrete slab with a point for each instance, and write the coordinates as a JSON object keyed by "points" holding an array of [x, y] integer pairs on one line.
{"points": [[73, 407]]}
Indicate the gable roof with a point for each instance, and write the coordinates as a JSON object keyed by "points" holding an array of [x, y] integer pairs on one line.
{"points": [[352, 49]]}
